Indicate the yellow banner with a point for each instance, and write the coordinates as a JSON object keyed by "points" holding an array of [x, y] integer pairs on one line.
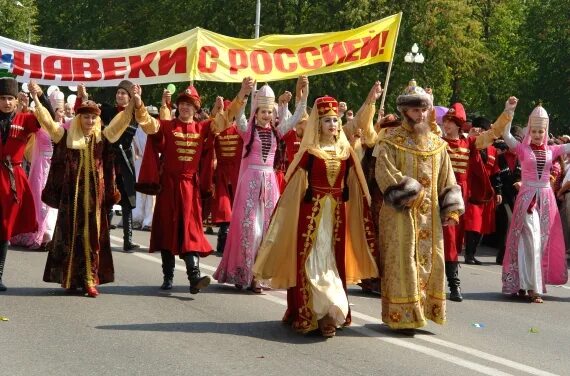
{"points": [[202, 55], [279, 57]]}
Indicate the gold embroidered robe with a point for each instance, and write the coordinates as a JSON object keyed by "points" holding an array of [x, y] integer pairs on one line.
{"points": [[411, 261]]}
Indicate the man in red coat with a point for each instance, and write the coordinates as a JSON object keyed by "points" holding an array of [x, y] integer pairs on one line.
{"points": [[183, 172], [16, 201]]}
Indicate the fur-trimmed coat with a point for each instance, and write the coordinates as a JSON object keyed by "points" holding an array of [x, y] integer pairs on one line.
{"points": [[420, 191]]}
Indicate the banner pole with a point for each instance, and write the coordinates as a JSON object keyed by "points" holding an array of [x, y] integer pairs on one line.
{"points": [[257, 25], [390, 65]]}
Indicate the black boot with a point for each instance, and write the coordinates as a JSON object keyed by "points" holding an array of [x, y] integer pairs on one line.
{"points": [[471, 242], [128, 245], [452, 274], [168, 264], [193, 271], [222, 236], [500, 255], [3, 252]]}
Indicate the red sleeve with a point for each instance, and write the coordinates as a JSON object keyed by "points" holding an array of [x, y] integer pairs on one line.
{"points": [[304, 161], [77, 104], [31, 124]]}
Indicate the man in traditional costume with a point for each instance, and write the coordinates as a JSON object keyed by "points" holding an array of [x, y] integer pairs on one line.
{"points": [[183, 172], [415, 175], [472, 175], [16, 200], [81, 185], [321, 235]]}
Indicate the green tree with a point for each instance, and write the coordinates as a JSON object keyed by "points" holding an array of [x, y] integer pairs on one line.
{"points": [[18, 20]]}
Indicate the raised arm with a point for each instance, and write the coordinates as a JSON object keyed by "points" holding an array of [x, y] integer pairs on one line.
{"points": [[148, 124], [300, 108], [364, 118], [119, 123], [53, 128], [497, 129]]}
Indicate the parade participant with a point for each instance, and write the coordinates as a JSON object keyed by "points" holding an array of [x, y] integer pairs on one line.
{"points": [[144, 208], [535, 252], [483, 197], [16, 199], [228, 146], [40, 159], [84, 191], [257, 188], [369, 166], [415, 175], [310, 248], [124, 159], [472, 176], [178, 179], [68, 112], [509, 169]]}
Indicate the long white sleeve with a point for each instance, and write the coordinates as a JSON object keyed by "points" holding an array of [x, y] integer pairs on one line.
{"points": [[241, 120], [285, 125], [508, 137]]}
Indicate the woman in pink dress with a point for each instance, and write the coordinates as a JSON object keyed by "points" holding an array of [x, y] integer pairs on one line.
{"points": [[535, 251], [257, 188]]}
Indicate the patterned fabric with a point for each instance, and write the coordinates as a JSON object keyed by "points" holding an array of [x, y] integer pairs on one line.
{"points": [[550, 244], [412, 260]]}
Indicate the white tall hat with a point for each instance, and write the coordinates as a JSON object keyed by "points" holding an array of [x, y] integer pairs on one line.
{"points": [[264, 98], [538, 117]]}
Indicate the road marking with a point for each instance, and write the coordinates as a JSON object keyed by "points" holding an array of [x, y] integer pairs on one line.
{"points": [[271, 296]]}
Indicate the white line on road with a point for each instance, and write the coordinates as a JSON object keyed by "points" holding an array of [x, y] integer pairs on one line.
{"points": [[271, 296]]}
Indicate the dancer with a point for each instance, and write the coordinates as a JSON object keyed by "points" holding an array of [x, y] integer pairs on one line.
{"points": [[535, 251], [80, 254], [310, 248], [257, 189]]}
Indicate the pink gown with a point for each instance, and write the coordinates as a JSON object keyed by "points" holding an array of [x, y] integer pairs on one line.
{"points": [[535, 252], [45, 215], [254, 201]]}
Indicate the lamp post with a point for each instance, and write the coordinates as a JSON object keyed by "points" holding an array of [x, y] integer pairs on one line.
{"points": [[19, 4], [414, 57]]}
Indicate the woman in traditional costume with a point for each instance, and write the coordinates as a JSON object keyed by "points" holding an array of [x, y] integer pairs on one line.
{"points": [[81, 185], [257, 188], [535, 251], [310, 249]]}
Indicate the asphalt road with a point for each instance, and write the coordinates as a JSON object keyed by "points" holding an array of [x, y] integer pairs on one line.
{"points": [[133, 328]]}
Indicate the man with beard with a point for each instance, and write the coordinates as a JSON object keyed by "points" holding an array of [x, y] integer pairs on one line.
{"points": [[414, 173]]}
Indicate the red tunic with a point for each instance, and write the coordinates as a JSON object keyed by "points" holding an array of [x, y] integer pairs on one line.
{"points": [[185, 163], [480, 207], [228, 146], [459, 151], [17, 210], [292, 143]]}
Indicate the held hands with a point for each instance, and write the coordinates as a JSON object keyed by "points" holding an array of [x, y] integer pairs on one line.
{"points": [[499, 199], [82, 92], [166, 98], [246, 87], [218, 105], [374, 93], [35, 90], [285, 97], [511, 104], [136, 95], [303, 82]]}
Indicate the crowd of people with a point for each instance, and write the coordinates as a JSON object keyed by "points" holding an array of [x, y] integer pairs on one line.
{"points": [[310, 201]]}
